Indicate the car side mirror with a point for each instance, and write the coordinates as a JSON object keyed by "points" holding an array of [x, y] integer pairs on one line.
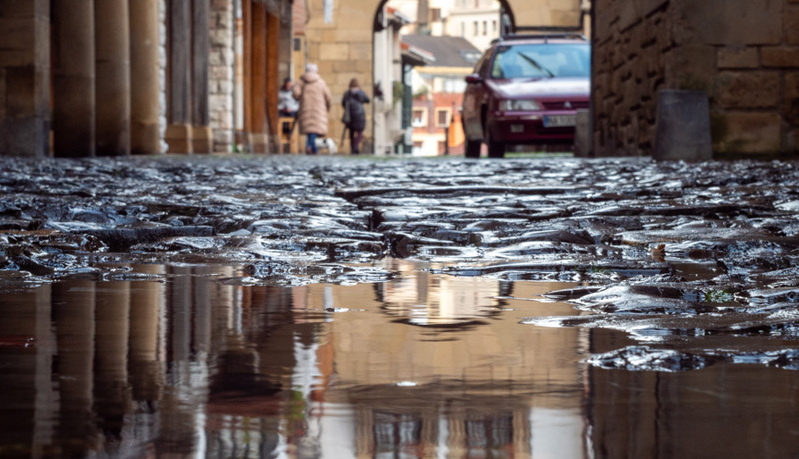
{"points": [[474, 79]]}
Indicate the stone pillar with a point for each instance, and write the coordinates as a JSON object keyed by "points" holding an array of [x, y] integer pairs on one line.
{"points": [[257, 123], [178, 131], [144, 77], [73, 78], [112, 86], [272, 80], [202, 136], [285, 50], [162, 67], [220, 74], [25, 78]]}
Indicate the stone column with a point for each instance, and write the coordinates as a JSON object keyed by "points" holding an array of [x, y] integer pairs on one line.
{"points": [[112, 86], [73, 78], [257, 124], [178, 130], [25, 78], [220, 74], [144, 84], [285, 50], [272, 80], [202, 136]]}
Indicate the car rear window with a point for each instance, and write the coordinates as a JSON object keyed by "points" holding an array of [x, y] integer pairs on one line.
{"points": [[545, 60]]}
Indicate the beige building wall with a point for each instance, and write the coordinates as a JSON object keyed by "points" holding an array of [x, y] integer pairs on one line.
{"points": [[744, 53], [553, 13]]}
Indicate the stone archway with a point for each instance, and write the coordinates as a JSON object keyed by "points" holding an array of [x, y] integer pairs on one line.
{"points": [[340, 40]]}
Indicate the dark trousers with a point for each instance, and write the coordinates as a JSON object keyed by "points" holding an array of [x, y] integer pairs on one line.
{"points": [[355, 141]]}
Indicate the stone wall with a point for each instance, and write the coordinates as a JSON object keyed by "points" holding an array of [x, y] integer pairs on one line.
{"points": [[744, 53], [220, 74]]}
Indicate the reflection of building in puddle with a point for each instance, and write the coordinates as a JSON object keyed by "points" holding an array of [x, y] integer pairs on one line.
{"points": [[192, 366], [496, 390], [419, 298], [445, 424]]}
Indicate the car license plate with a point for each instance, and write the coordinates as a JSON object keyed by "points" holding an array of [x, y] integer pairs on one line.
{"points": [[560, 120]]}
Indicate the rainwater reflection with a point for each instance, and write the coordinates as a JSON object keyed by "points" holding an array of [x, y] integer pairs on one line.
{"points": [[185, 362]]}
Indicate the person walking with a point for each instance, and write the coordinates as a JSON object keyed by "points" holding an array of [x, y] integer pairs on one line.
{"points": [[353, 101], [315, 100]]}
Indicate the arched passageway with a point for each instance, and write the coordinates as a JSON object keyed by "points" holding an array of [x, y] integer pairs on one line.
{"points": [[340, 40]]}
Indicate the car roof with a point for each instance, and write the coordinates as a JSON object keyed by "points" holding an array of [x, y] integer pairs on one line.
{"points": [[541, 38]]}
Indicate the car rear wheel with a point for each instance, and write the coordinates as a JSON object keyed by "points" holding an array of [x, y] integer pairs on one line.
{"points": [[472, 149], [495, 149]]}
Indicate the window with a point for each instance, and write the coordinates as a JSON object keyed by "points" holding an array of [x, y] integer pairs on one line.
{"points": [[494, 26], [419, 117], [541, 60], [476, 28], [435, 14], [443, 115], [485, 27]]}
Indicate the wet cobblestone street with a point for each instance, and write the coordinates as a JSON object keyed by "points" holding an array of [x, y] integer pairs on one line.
{"points": [[398, 284], [669, 251]]}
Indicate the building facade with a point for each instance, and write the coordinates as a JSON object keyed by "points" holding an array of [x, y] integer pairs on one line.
{"points": [[438, 93]]}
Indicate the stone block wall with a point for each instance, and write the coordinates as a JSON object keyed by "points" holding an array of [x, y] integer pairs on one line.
{"points": [[220, 74], [744, 53]]}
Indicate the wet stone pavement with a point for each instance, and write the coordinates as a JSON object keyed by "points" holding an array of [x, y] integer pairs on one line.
{"points": [[697, 263]]}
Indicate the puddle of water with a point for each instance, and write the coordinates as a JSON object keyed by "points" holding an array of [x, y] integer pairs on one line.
{"points": [[177, 360]]}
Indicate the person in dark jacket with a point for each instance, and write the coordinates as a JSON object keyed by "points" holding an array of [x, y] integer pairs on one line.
{"points": [[353, 101]]}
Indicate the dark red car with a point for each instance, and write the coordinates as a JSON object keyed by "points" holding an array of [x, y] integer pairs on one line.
{"points": [[526, 89]]}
